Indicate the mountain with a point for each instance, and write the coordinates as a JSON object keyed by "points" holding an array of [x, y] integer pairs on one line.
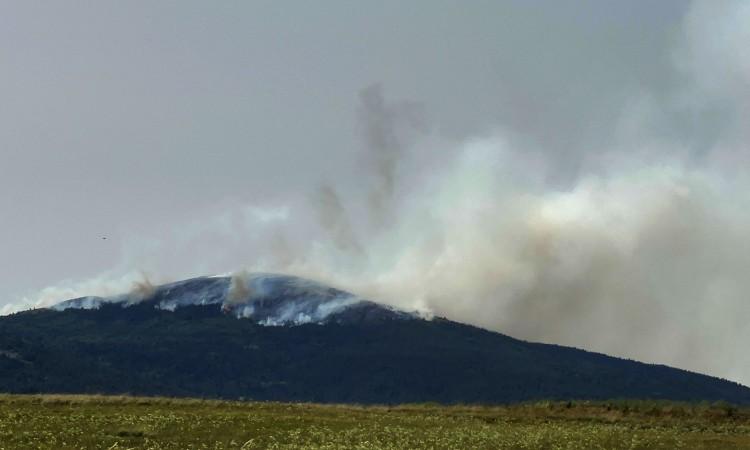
{"points": [[276, 337]]}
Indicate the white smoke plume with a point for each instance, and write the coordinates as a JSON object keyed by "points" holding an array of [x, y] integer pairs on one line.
{"points": [[643, 254], [109, 284]]}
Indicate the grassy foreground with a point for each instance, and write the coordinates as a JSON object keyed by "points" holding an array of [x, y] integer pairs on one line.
{"points": [[94, 422]]}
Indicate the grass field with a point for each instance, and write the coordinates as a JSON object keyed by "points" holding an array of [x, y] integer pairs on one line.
{"points": [[93, 422]]}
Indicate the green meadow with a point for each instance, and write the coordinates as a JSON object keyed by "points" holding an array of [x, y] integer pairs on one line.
{"points": [[121, 422]]}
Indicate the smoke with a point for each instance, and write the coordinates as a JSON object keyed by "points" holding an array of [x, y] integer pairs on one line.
{"points": [[112, 283], [333, 217], [642, 254], [142, 289], [645, 259], [239, 290], [385, 127]]}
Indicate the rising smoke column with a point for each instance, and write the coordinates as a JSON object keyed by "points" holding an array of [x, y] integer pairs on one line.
{"points": [[385, 127]]}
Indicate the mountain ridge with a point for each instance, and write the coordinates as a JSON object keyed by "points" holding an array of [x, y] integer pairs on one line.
{"points": [[362, 352], [266, 298]]}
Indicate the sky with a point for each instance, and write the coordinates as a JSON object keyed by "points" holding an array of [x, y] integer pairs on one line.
{"points": [[571, 172]]}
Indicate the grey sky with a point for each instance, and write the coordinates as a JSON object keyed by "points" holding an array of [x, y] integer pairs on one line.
{"points": [[119, 117], [165, 125]]}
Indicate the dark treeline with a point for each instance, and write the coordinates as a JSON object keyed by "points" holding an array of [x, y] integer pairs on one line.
{"points": [[197, 351]]}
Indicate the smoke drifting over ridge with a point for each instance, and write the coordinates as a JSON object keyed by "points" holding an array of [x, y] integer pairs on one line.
{"points": [[643, 252]]}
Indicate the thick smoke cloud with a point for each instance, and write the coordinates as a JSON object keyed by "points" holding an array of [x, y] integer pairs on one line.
{"points": [[642, 253]]}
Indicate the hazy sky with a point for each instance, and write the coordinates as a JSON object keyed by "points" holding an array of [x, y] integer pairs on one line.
{"points": [[576, 169]]}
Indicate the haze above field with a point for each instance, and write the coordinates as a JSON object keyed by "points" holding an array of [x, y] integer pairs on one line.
{"points": [[570, 172]]}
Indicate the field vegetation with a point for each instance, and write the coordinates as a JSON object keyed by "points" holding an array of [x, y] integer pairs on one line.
{"points": [[122, 422]]}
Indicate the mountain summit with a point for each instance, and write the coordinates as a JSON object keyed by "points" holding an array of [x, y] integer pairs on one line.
{"points": [[267, 299], [276, 337]]}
